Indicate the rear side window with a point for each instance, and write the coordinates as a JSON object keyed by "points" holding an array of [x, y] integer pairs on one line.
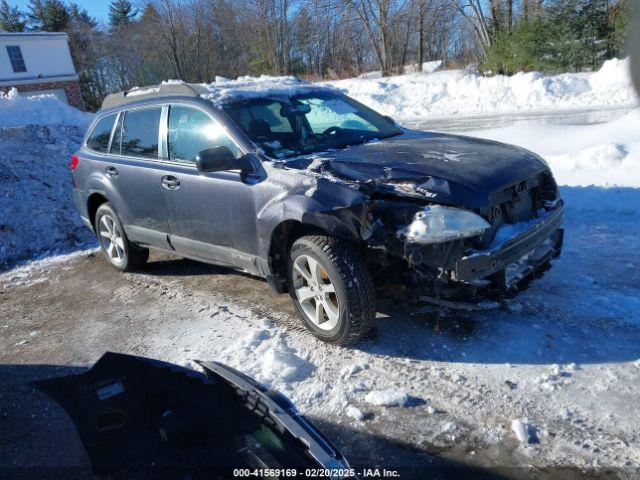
{"points": [[99, 139], [140, 133], [117, 136], [191, 131]]}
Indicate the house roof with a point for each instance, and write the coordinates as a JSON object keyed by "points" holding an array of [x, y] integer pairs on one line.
{"points": [[31, 35]]}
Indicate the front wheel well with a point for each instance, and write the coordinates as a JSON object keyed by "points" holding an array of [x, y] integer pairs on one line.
{"points": [[93, 203], [282, 238]]}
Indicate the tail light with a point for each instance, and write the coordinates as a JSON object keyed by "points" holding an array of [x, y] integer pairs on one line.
{"points": [[74, 162]]}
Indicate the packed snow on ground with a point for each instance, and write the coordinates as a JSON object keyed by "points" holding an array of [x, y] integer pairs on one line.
{"points": [[520, 429], [38, 135], [389, 397], [460, 92], [18, 111]]}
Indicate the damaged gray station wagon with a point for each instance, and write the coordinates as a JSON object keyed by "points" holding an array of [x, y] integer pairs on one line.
{"points": [[317, 193]]}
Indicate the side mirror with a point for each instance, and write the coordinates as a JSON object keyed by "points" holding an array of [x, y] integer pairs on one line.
{"points": [[389, 119], [218, 159]]}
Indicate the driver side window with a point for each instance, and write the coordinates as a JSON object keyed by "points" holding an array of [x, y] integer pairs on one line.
{"points": [[191, 131]]}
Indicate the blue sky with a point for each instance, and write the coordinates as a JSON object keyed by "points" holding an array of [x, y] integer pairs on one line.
{"points": [[96, 8]]}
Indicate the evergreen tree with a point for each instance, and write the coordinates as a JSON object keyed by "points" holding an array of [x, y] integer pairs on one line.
{"points": [[48, 15], [121, 12], [79, 15], [11, 18]]}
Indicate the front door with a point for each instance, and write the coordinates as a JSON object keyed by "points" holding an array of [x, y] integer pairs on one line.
{"points": [[210, 215]]}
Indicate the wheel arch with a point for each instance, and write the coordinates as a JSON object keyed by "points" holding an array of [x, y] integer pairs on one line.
{"points": [[93, 203], [283, 236]]}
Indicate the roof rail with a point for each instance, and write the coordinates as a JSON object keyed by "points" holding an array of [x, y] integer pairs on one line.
{"points": [[153, 91]]}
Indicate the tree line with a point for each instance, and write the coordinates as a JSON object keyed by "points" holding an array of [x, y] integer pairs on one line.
{"points": [[197, 40]]}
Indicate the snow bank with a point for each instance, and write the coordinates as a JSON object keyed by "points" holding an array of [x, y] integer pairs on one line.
{"points": [[36, 207], [38, 135], [459, 92], [17, 111], [427, 67], [606, 154]]}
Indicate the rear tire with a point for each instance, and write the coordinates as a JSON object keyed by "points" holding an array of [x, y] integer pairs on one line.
{"points": [[331, 288], [114, 244]]}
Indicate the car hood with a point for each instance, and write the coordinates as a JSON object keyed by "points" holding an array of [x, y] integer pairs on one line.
{"points": [[451, 169]]}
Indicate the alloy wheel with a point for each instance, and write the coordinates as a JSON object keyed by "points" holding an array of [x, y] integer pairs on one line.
{"points": [[112, 239], [315, 292]]}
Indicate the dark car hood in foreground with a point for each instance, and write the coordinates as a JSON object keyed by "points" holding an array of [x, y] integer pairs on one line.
{"points": [[135, 414], [448, 168]]}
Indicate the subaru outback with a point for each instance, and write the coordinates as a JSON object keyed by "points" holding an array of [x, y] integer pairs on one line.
{"points": [[318, 194]]}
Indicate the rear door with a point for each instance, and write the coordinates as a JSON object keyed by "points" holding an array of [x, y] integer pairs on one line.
{"points": [[131, 171], [210, 215]]}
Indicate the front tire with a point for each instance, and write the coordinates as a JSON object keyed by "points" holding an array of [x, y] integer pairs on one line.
{"points": [[114, 244], [331, 288]]}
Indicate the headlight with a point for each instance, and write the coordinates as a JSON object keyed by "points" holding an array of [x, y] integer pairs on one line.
{"points": [[438, 224]]}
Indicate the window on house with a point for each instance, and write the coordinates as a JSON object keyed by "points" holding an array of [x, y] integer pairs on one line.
{"points": [[15, 56]]}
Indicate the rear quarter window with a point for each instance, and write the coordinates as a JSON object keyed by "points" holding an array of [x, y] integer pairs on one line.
{"points": [[98, 140]]}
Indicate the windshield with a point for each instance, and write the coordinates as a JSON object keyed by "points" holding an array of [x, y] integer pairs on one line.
{"points": [[308, 123]]}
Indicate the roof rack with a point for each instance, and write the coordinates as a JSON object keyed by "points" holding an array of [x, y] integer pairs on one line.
{"points": [[153, 91]]}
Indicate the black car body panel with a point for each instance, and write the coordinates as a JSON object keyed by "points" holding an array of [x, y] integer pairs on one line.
{"points": [[135, 414]]}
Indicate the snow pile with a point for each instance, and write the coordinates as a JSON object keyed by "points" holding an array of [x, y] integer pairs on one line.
{"points": [[606, 154], [224, 91], [523, 430], [37, 214], [355, 413], [390, 397], [17, 111], [459, 92], [520, 430], [427, 67], [266, 357]]}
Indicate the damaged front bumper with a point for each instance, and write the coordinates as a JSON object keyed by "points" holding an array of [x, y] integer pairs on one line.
{"points": [[519, 257]]}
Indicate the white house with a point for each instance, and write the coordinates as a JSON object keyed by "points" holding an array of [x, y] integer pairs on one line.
{"points": [[39, 62]]}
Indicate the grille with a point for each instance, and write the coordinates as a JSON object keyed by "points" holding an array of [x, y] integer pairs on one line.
{"points": [[517, 203]]}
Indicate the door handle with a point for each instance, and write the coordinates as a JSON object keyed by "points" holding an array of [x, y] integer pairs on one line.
{"points": [[170, 182], [111, 172]]}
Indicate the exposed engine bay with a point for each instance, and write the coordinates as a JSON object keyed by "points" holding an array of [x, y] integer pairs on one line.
{"points": [[450, 253]]}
